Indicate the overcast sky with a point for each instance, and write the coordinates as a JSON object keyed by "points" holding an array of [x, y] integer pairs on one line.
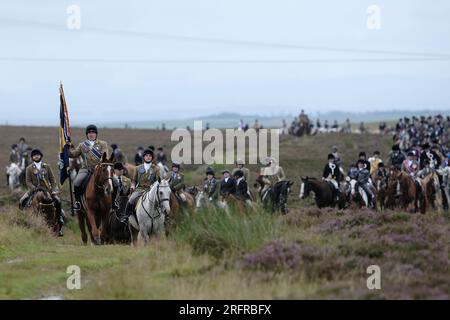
{"points": [[137, 60]]}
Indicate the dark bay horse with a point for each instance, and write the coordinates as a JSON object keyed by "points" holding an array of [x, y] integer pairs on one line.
{"points": [[276, 197], [409, 192], [42, 204], [97, 202], [322, 191]]}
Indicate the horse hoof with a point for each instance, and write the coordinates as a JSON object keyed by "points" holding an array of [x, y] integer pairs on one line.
{"points": [[60, 233]]}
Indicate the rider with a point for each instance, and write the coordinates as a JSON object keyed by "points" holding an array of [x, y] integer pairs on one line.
{"points": [[362, 178], [410, 165], [212, 185], [430, 155], [241, 186], [239, 165], [22, 149], [39, 174], [396, 157], [375, 161], [271, 174], [161, 156], [138, 157], [146, 174], [227, 184], [122, 184], [337, 157], [332, 174], [362, 156], [381, 172], [90, 151], [176, 181], [119, 156], [14, 157]]}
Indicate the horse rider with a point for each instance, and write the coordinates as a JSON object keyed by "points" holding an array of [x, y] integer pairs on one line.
{"points": [[337, 157], [241, 186], [239, 165], [146, 174], [362, 156], [138, 157], [410, 165], [362, 178], [211, 186], [23, 149], [381, 171], [396, 157], [119, 156], [332, 174], [40, 174], [271, 174], [14, 157], [375, 161], [90, 151], [227, 184], [121, 183], [161, 156], [430, 155], [176, 182]]}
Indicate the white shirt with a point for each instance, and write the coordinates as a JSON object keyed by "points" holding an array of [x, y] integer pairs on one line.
{"points": [[147, 166], [226, 180], [38, 165], [91, 143]]}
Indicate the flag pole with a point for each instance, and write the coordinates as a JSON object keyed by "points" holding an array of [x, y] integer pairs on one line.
{"points": [[72, 212]]}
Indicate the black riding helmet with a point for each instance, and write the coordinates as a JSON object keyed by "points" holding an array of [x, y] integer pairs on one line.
{"points": [[209, 170], [331, 156], [362, 154], [148, 151], [118, 166], [35, 152], [239, 173], [176, 165], [14, 146], [91, 128], [360, 161]]}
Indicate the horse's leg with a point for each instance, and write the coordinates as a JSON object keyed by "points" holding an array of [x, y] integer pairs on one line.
{"points": [[82, 224], [95, 233]]}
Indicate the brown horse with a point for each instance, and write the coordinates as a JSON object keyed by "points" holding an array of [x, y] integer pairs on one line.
{"points": [[381, 187], [323, 194], [430, 193], [176, 209], [42, 204], [130, 170], [391, 200], [409, 192], [231, 201], [97, 201]]}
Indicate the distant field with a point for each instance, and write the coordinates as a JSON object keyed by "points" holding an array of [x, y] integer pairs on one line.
{"points": [[308, 253]]}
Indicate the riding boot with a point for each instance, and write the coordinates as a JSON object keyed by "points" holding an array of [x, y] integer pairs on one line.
{"points": [[114, 200], [77, 204], [129, 208], [7, 179]]}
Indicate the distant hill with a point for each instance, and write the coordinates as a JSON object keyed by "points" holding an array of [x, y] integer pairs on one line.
{"points": [[231, 119]]}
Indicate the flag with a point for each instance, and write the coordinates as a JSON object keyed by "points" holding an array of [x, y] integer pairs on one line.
{"points": [[64, 137]]}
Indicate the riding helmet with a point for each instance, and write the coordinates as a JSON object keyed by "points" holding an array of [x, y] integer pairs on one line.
{"points": [[331, 156], [362, 154], [239, 173], [114, 146], [411, 154], [148, 151], [35, 152], [118, 166], [395, 147], [426, 145], [360, 161], [13, 146], [225, 170], [91, 128], [209, 170], [175, 164]]}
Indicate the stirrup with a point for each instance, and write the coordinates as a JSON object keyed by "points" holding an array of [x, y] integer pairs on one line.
{"points": [[77, 206]]}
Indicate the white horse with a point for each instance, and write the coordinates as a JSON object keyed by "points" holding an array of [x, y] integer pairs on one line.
{"points": [[13, 171], [150, 212], [163, 170], [445, 173]]}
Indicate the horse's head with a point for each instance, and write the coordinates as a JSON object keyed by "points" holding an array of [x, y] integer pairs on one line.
{"points": [[304, 187], [163, 194], [199, 198], [103, 174]]}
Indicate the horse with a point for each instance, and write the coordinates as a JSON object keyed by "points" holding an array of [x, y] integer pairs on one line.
{"points": [[323, 194], [130, 170], [409, 192], [392, 182], [445, 173], [431, 193], [163, 170], [381, 186], [150, 212], [274, 198], [14, 171], [118, 228], [360, 197], [177, 208], [97, 202], [42, 204]]}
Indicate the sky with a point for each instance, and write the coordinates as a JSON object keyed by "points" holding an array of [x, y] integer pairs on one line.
{"points": [[136, 60]]}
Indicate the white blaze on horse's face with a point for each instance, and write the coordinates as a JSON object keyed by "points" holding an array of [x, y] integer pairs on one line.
{"points": [[199, 198], [164, 195], [302, 190], [353, 184]]}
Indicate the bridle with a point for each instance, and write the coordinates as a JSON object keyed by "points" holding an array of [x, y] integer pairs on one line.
{"points": [[105, 164], [157, 204]]}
